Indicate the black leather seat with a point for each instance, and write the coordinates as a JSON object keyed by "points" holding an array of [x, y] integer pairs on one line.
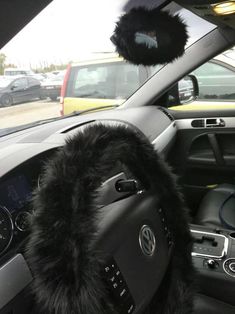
{"points": [[207, 305], [217, 208]]}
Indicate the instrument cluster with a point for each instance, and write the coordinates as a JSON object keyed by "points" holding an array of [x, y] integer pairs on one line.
{"points": [[16, 190], [15, 197]]}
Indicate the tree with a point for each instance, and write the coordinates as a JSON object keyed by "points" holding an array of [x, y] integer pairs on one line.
{"points": [[2, 63]]}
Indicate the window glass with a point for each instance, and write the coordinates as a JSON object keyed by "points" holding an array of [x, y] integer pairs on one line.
{"points": [[32, 81], [111, 80], [69, 37], [216, 81], [20, 83]]}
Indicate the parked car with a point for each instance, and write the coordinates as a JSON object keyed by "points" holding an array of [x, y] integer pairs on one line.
{"points": [[51, 87], [39, 76], [18, 71], [106, 80], [16, 90], [216, 79]]}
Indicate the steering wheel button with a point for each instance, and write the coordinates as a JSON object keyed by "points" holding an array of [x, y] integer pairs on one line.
{"points": [[107, 269], [131, 309], [128, 306], [123, 293], [118, 272], [115, 285], [112, 279], [232, 267]]}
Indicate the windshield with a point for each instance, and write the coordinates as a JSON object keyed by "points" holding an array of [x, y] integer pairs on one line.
{"points": [[113, 80], [77, 53]]}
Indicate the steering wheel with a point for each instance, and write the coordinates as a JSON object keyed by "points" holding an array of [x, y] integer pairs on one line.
{"points": [[109, 232]]}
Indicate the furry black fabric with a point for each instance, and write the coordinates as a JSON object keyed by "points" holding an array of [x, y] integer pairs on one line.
{"points": [[60, 253], [171, 35]]}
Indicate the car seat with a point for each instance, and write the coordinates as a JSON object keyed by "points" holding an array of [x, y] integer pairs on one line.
{"points": [[217, 208], [206, 305]]}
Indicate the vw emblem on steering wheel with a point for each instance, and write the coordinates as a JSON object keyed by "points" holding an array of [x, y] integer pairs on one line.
{"points": [[147, 240]]}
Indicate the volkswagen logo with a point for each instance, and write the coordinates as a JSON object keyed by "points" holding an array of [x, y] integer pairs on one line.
{"points": [[147, 240]]}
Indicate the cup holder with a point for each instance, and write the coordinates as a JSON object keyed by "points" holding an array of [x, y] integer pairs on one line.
{"points": [[232, 235]]}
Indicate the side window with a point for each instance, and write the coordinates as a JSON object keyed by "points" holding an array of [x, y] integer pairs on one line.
{"points": [[128, 80], [112, 80], [216, 81], [20, 83], [92, 75], [33, 82]]}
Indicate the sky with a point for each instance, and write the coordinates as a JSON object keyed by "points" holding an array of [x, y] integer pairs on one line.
{"points": [[69, 30], [66, 30]]}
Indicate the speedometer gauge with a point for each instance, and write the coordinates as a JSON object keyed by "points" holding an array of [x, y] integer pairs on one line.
{"points": [[22, 221], [6, 229]]}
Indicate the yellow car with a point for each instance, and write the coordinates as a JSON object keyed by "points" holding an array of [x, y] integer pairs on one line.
{"points": [[104, 81]]}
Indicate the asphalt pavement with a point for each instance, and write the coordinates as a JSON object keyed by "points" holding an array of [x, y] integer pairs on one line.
{"points": [[28, 112]]}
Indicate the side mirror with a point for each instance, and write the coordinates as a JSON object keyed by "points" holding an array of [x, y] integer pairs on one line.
{"points": [[185, 91]]}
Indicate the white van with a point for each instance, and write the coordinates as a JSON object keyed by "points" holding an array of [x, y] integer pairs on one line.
{"points": [[17, 71]]}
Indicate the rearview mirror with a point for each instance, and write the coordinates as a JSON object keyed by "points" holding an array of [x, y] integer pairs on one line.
{"points": [[150, 37]]}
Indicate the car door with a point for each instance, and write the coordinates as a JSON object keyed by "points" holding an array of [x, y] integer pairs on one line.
{"points": [[34, 88], [19, 90], [204, 152]]}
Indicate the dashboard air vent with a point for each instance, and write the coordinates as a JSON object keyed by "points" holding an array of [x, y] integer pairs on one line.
{"points": [[167, 113]]}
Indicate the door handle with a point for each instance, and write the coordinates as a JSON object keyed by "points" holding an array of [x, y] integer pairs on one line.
{"points": [[215, 123]]}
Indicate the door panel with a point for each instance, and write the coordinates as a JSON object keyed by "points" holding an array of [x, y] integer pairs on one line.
{"points": [[19, 90], [204, 156]]}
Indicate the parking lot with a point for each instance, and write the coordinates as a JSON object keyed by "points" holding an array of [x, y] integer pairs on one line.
{"points": [[28, 112]]}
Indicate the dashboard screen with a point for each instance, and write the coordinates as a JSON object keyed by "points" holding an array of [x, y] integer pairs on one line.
{"points": [[15, 193]]}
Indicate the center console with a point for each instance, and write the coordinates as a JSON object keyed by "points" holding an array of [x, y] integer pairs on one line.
{"points": [[213, 256]]}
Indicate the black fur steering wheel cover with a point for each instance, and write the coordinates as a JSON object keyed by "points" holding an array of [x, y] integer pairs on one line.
{"points": [[60, 253]]}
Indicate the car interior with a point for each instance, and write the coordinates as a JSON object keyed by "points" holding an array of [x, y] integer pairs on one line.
{"points": [[127, 210]]}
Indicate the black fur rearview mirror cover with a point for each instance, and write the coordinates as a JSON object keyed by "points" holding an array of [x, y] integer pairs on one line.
{"points": [[169, 33], [60, 252]]}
